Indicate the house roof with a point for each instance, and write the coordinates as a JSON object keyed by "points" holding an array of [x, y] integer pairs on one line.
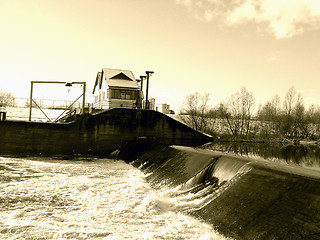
{"points": [[116, 78], [97, 82], [120, 78]]}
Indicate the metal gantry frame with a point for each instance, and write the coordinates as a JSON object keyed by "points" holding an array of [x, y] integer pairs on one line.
{"points": [[68, 84]]}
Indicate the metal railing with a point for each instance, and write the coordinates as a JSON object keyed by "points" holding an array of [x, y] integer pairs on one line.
{"points": [[106, 104]]}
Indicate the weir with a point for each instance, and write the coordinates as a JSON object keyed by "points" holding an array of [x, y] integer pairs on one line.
{"points": [[95, 134], [241, 197]]}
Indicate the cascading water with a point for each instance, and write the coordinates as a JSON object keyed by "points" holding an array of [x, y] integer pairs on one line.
{"points": [[97, 199], [241, 197], [208, 184], [107, 199]]}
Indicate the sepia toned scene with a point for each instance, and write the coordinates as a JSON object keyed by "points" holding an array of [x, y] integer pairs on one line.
{"points": [[171, 119]]}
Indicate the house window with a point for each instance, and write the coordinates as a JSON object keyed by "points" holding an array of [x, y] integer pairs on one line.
{"points": [[128, 95], [123, 94], [115, 93]]}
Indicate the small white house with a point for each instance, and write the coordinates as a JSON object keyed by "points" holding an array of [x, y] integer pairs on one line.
{"points": [[116, 88], [165, 108]]}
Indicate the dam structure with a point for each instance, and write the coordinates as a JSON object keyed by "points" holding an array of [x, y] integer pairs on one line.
{"points": [[97, 134], [241, 197], [118, 116]]}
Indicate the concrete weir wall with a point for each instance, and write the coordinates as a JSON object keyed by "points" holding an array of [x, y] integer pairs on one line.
{"points": [[97, 134], [240, 197]]}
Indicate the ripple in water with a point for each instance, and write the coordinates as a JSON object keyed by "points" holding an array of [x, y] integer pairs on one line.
{"points": [[98, 199]]}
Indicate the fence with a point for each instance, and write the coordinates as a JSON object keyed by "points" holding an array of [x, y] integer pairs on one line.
{"points": [[46, 103], [107, 104], [51, 107]]}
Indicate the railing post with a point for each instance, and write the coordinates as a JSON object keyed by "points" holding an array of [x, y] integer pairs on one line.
{"points": [[30, 107]]}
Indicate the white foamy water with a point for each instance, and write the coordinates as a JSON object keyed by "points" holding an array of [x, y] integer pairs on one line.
{"points": [[98, 199]]}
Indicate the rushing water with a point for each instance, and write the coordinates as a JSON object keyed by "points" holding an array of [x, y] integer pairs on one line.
{"points": [[89, 199]]}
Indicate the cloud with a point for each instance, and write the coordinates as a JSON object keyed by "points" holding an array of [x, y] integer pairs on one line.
{"points": [[284, 19], [208, 15], [186, 3]]}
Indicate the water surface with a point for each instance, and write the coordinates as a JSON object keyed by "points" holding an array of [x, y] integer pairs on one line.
{"points": [[307, 156], [97, 199]]}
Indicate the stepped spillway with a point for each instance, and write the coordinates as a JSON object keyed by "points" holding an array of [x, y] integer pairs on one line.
{"points": [[241, 197]]}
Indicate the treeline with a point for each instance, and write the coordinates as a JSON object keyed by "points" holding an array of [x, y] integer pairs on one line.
{"points": [[239, 117], [6, 99]]}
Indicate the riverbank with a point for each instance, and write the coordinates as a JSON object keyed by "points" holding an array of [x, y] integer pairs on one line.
{"points": [[263, 139], [306, 155]]}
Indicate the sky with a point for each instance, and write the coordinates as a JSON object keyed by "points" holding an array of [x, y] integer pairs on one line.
{"points": [[213, 46]]}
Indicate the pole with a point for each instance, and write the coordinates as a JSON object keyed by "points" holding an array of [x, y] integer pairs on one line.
{"points": [[142, 79], [147, 101], [42, 111], [30, 107], [147, 90], [83, 97], [68, 107], [141, 84]]}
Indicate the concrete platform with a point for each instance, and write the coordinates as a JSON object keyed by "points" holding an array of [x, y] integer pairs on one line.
{"points": [[97, 134]]}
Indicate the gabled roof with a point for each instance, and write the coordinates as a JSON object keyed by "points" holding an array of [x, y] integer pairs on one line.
{"points": [[120, 78], [116, 78], [98, 82]]}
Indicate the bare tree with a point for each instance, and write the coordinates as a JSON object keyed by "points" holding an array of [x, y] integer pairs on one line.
{"points": [[226, 114], [288, 105], [269, 116], [247, 101], [313, 120], [238, 111], [270, 109], [275, 106], [6, 99], [289, 101], [300, 124], [194, 111]]}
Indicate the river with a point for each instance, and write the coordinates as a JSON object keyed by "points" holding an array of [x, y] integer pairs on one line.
{"points": [[46, 198], [301, 155]]}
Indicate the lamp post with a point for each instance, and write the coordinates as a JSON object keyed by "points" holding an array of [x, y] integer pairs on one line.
{"points": [[57, 82], [149, 73], [142, 78]]}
